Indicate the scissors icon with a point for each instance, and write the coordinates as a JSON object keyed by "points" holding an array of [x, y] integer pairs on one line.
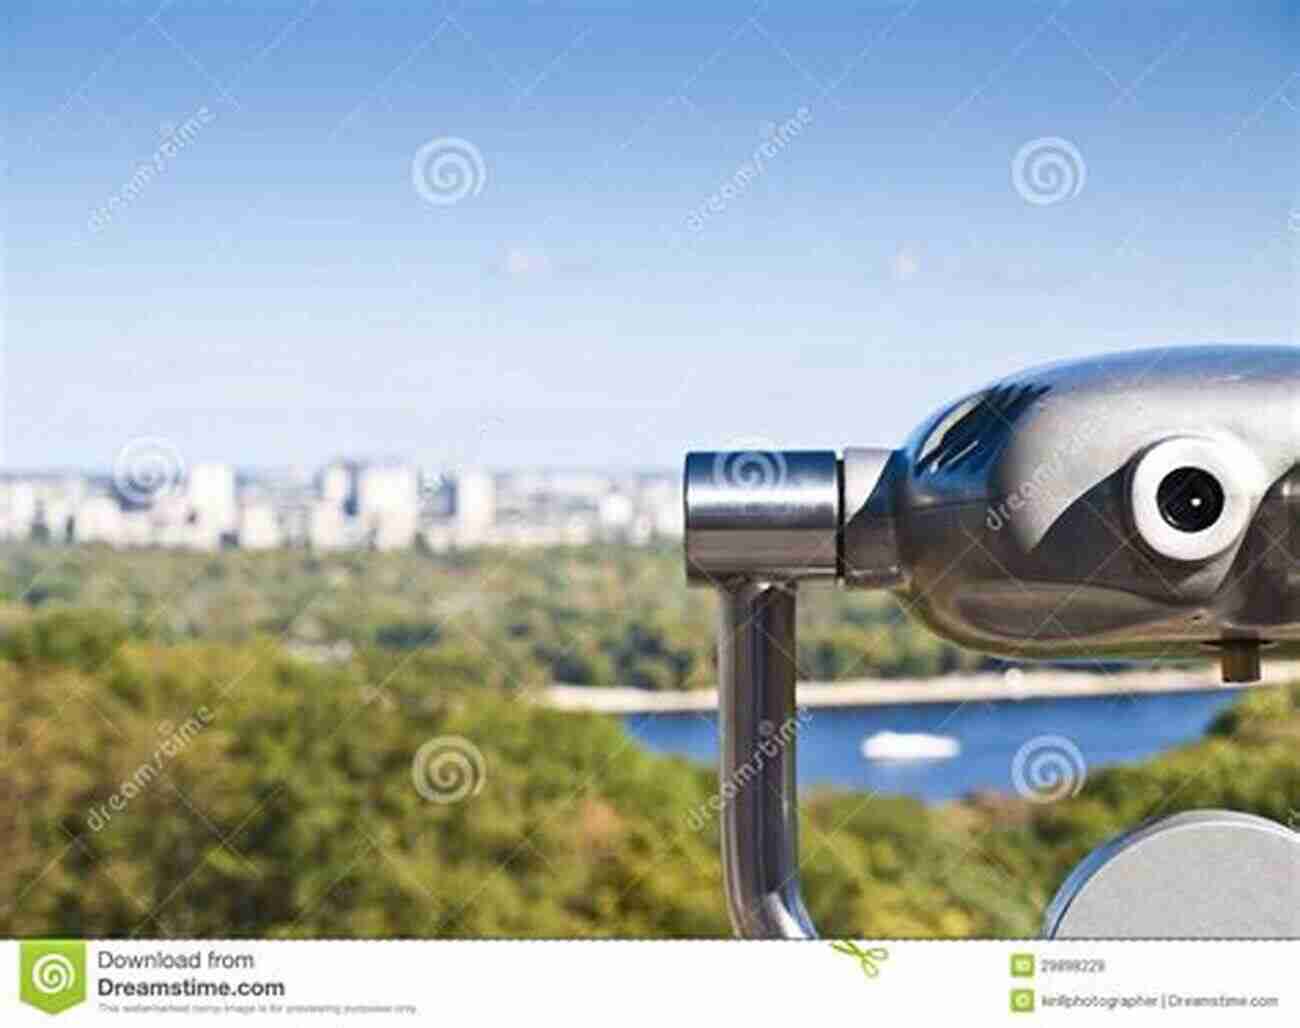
{"points": [[868, 959]]}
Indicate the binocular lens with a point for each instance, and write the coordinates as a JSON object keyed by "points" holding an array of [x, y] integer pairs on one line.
{"points": [[1191, 499]]}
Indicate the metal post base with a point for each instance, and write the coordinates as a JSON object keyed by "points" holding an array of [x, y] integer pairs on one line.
{"points": [[758, 723], [1204, 874], [1197, 875]]}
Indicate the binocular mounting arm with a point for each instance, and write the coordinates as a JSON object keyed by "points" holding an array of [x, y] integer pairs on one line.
{"points": [[757, 725], [756, 525]]}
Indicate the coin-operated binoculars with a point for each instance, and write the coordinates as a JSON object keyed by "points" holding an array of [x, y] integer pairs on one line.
{"points": [[1144, 505]]}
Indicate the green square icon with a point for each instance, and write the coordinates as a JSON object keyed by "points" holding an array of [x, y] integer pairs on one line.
{"points": [[1022, 1001], [52, 974], [1022, 965]]}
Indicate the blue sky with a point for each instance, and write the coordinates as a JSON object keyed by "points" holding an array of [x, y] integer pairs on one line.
{"points": [[645, 260]]}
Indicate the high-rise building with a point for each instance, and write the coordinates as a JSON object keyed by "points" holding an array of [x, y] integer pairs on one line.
{"points": [[388, 504], [337, 485], [99, 519], [213, 506], [259, 528], [289, 493], [475, 508], [17, 509], [327, 526]]}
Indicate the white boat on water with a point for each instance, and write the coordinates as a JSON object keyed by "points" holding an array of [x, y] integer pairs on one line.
{"points": [[910, 746]]}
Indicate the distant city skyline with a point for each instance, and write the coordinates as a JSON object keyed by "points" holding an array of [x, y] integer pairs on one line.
{"points": [[578, 235], [153, 498], [255, 470]]}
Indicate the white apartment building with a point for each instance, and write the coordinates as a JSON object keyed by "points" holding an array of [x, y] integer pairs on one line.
{"points": [[388, 505], [475, 509], [213, 505], [336, 484], [327, 526], [100, 519], [17, 509], [259, 528]]}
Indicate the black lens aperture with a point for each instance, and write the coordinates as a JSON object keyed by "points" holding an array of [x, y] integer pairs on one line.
{"points": [[1190, 499]]}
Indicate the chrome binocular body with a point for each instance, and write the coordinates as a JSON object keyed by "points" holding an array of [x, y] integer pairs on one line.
{"points": [[1144, 505]]}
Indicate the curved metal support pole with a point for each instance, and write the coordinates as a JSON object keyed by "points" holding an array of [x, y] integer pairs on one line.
{"points": [[758, 724]]}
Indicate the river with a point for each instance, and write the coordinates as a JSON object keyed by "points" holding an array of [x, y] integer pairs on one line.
{"points": [[1103, 731]]}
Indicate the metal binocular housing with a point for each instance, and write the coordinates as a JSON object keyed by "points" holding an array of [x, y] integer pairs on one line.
{"points": [[1144, 506]]}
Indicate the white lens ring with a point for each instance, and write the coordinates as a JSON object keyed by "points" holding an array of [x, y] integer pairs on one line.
{"points": [[1238, 471]]}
